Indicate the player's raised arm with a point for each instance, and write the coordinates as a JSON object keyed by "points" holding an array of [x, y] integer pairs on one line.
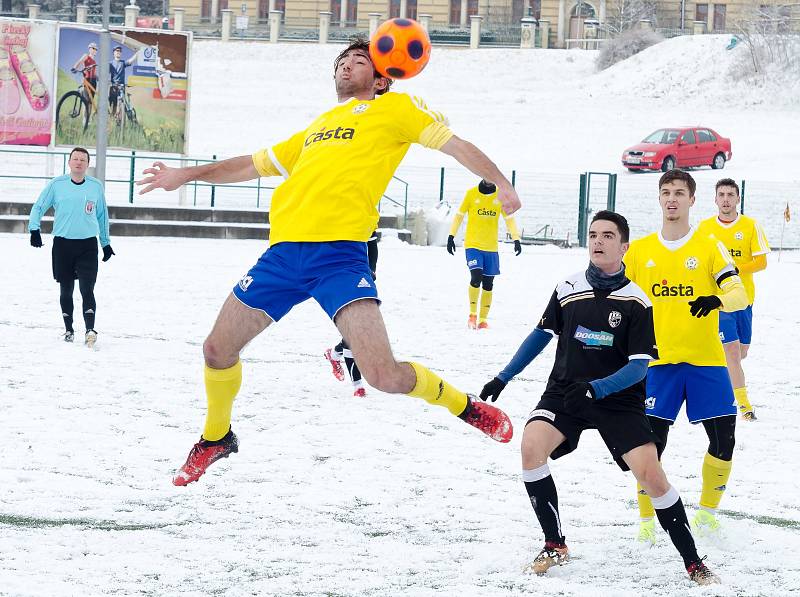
{"points": [[160, 176], [479, 163]]}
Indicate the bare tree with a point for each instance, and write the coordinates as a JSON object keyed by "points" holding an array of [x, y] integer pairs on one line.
{"points": [[622, 15], [771, 36]]}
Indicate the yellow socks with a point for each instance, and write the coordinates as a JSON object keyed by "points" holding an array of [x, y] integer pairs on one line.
{"points": [[473, 299], [222, 385], [646, 509], [742, 400], [434, 390], [715, 477], [486, 304]]}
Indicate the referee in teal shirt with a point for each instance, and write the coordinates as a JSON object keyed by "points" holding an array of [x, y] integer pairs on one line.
{"points": [[81, 215]]}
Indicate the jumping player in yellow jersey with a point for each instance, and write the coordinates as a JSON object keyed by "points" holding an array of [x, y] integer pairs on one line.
{"points": [[483, 211], [688, 277], [336, 171], [748, 246]]}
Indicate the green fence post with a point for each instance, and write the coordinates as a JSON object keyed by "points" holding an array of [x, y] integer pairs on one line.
{"points": [[513, 178], [583, 202], [213, 188], [441, 186], [742, 206], [611, 201], [132, 176]]}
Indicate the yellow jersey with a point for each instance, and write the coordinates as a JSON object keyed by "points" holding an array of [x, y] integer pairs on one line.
{"points": [[483, 213], [744, 240], [337, 169], [672, 273]]}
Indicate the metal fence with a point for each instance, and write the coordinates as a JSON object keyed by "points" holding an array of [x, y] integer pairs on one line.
{"points": [[550, 200]]}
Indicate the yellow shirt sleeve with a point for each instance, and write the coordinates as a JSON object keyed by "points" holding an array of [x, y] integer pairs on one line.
{"points": [[511, 226], [420, 124], [758, 242], [459, 217], [279, 160]]}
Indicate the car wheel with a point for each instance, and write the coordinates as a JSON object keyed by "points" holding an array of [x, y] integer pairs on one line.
{"points": [[668, 164], [719, 161]]}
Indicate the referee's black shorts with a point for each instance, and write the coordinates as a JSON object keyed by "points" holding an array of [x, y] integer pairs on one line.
{"points": [[622, 424], [74, 259]]}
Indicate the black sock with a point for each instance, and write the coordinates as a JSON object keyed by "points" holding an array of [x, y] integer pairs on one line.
{"points": [[352, 369], [65, 299], [673, 520], [89, 303], [544, 499]]}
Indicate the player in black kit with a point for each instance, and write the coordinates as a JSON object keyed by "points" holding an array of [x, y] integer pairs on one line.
{"points": [[604, 325]]}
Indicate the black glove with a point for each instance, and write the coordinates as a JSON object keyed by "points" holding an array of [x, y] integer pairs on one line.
{"points": [[36, 238], [703, 305], [108, 252], [451, 245], [492, 389], [578, 396], [517, 247]]}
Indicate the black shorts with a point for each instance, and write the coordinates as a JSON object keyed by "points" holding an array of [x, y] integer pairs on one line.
{"points": [[622, 425], [74, 259]]}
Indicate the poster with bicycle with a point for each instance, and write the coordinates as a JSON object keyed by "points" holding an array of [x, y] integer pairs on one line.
{"points": [[27, 50], [148, 90]]}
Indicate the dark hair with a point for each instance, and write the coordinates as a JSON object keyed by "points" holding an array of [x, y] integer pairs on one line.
{"points": [[362, 44], [80, 150], [675, 174], [618, 219], [727, 182]]}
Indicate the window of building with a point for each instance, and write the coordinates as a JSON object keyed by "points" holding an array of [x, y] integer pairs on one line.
{"points": [[411, 9], [455, 11], [336, 9], [701, 13], [719, 17], [263, 9], [205, 8]]}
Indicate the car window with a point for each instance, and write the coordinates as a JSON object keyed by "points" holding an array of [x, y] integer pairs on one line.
{"points": [[706, 136], [688, 137], [661, 136], [670, 137]]}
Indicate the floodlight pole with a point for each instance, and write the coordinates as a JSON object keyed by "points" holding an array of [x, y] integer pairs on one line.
{"points": [[103, 80]]}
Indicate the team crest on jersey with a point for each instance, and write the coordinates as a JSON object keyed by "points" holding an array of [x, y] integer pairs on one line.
{"points": [[691, 263], [650, 402], [88, 208], [738, 236], [360, 108], [245, 282], [614, 318]]}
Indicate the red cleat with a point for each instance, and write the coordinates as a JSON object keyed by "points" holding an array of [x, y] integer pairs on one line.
{"points": [[204, 454], [336, 365], [472, 322], [489, 419], [483, 325], [360, 393]]}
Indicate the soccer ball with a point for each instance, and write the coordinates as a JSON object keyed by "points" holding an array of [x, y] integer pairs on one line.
{"points": [[400, 48]]}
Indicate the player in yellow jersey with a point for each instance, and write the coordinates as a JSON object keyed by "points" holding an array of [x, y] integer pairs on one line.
{"points": [[748, 246], [482, 210], [321, 216], [688, 277]]}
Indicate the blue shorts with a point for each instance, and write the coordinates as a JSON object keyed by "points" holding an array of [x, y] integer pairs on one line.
{"points": [[488, 261], [736, 326], [707, 391], [332, 273]]}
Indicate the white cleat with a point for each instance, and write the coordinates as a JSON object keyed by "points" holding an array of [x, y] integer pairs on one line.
{"points": [[91, 338]]}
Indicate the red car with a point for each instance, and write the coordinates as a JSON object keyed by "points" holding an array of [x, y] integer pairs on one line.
{"points": [[679, 147]]}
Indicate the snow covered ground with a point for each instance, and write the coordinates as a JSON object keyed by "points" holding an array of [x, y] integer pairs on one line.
{"points": [[329, 494]]}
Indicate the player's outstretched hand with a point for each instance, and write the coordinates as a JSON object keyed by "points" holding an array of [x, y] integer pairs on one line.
{"points": [[703, 305], [161, 177], [451, 245], [517, 247], [491, 391], [36, 239], [508, 198], [578, 396], [108, 252]]}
